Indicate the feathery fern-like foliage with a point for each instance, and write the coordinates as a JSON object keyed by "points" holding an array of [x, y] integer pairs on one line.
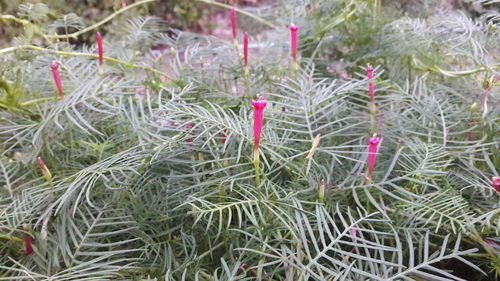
{"points": [[151, 162]]}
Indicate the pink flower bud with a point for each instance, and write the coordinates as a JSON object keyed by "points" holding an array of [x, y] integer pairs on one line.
{"points": [[28, 241], [233, 22], [372, 156], [223, 134], [371, 84], [354, 231], [293, 32], [495, 182], [245, 48], [100, 50], [242, 267], [258, 106], [45, 171], [57, 78]]}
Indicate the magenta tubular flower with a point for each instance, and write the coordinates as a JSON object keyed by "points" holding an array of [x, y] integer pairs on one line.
{"points": [[245, 54], [258, 106], [245, 48], [293, 40], [57, 78], [495, 183], [372, 156], [233, 25], [28, 241], [100, 50]]}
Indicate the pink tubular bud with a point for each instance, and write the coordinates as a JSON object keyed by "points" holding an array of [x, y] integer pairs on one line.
{"points": [[100, 51], [293, 40], [245, 48], [372, 156], [258, 106], [45, 171], [233, 22], [371, 84], [57, 78], [354, 231], [28, 241], [495, 183]]}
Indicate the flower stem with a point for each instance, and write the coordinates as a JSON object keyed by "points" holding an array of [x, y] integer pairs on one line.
{"points": [[256, 165]]}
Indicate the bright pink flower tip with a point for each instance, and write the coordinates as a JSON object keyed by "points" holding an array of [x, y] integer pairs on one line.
{"points": [[245, 47], [293, 27], [495, 182], [354, 231], [100, 49], [233, 21], [40, 162], [374, 140], [369, 71], [259, 104], [57, 78]]}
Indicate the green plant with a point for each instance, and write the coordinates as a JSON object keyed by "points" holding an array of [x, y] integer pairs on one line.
{"points": [[148, 171]]}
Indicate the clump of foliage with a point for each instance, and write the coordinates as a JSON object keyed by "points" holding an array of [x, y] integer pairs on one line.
{"points": [[148, 171]]}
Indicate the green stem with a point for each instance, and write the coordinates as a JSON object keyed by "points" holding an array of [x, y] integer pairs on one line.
{"points": [[11, 238], [421, 66], [105, 20], [256, 164], [26, 24], [35, 101], [296, 69], [76, 54]]}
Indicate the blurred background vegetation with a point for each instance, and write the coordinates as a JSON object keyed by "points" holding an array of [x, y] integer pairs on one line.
{"points": [[180, 14]]}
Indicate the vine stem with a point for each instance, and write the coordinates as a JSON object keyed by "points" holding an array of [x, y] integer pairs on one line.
{"points": [[257, 18], [74, 35], [25, 23], [76, 54]]}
